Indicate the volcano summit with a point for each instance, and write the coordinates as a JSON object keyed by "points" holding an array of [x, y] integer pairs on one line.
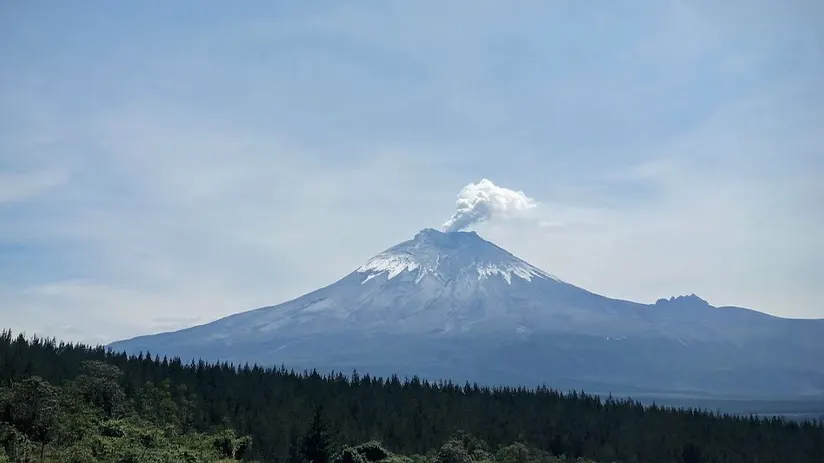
{"points": [[454, 306]]}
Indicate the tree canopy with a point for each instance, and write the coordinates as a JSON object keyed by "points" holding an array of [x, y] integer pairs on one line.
{"points": [[77, 402]]}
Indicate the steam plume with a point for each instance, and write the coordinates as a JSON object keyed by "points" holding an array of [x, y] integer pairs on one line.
{"points": [[482, 201]]}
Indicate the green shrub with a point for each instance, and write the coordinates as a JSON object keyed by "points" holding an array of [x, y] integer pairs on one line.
{"points": [[453, 451], [112, 428], [373, 451], [78, 453], [514, 453], [348, 455], [18, 447], [398, 459]]}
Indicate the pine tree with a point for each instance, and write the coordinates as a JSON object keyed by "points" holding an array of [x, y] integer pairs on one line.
{"points": [[691, 454], [294, 449], [317, 445]]}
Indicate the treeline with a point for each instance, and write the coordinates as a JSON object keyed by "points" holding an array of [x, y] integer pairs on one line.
{"points": [[275, 407], [90, 419]]}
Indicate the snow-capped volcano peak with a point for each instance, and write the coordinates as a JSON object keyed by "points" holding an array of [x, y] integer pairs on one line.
{"points": [[447, 256], [454, 305]]}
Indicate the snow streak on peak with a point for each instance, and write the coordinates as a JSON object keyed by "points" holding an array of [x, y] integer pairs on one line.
{"points": [[525, 272], [393, 264], [447, 256]]}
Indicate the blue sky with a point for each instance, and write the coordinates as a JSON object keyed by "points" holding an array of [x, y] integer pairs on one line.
{"points": [[167, 164]]}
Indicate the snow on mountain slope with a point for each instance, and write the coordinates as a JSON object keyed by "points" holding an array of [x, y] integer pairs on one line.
{"points": [[435, 283], [454, 304], [461, 252]]}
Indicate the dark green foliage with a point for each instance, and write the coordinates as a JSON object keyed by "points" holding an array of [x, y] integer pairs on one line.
{"points": [[228, 445], [453, 451], [348, 455], [90, 419], [691, 454], [98, 384], [475, 448], [31, 406], [17, 446], [515, 453], [118, 406], [373, 451], [317, 444]]}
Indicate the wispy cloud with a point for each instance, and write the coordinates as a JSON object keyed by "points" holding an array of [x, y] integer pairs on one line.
{"points": [[24, 185], [154, 168]]}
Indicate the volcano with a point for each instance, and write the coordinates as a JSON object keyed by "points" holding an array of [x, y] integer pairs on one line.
{"points": [[455, 306]]}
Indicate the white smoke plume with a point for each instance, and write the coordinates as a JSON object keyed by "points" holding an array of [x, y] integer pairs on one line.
{"points": [[483, 201]]}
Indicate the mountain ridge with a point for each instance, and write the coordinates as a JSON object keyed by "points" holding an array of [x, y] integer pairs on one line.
{"points": [[455, 304]]}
